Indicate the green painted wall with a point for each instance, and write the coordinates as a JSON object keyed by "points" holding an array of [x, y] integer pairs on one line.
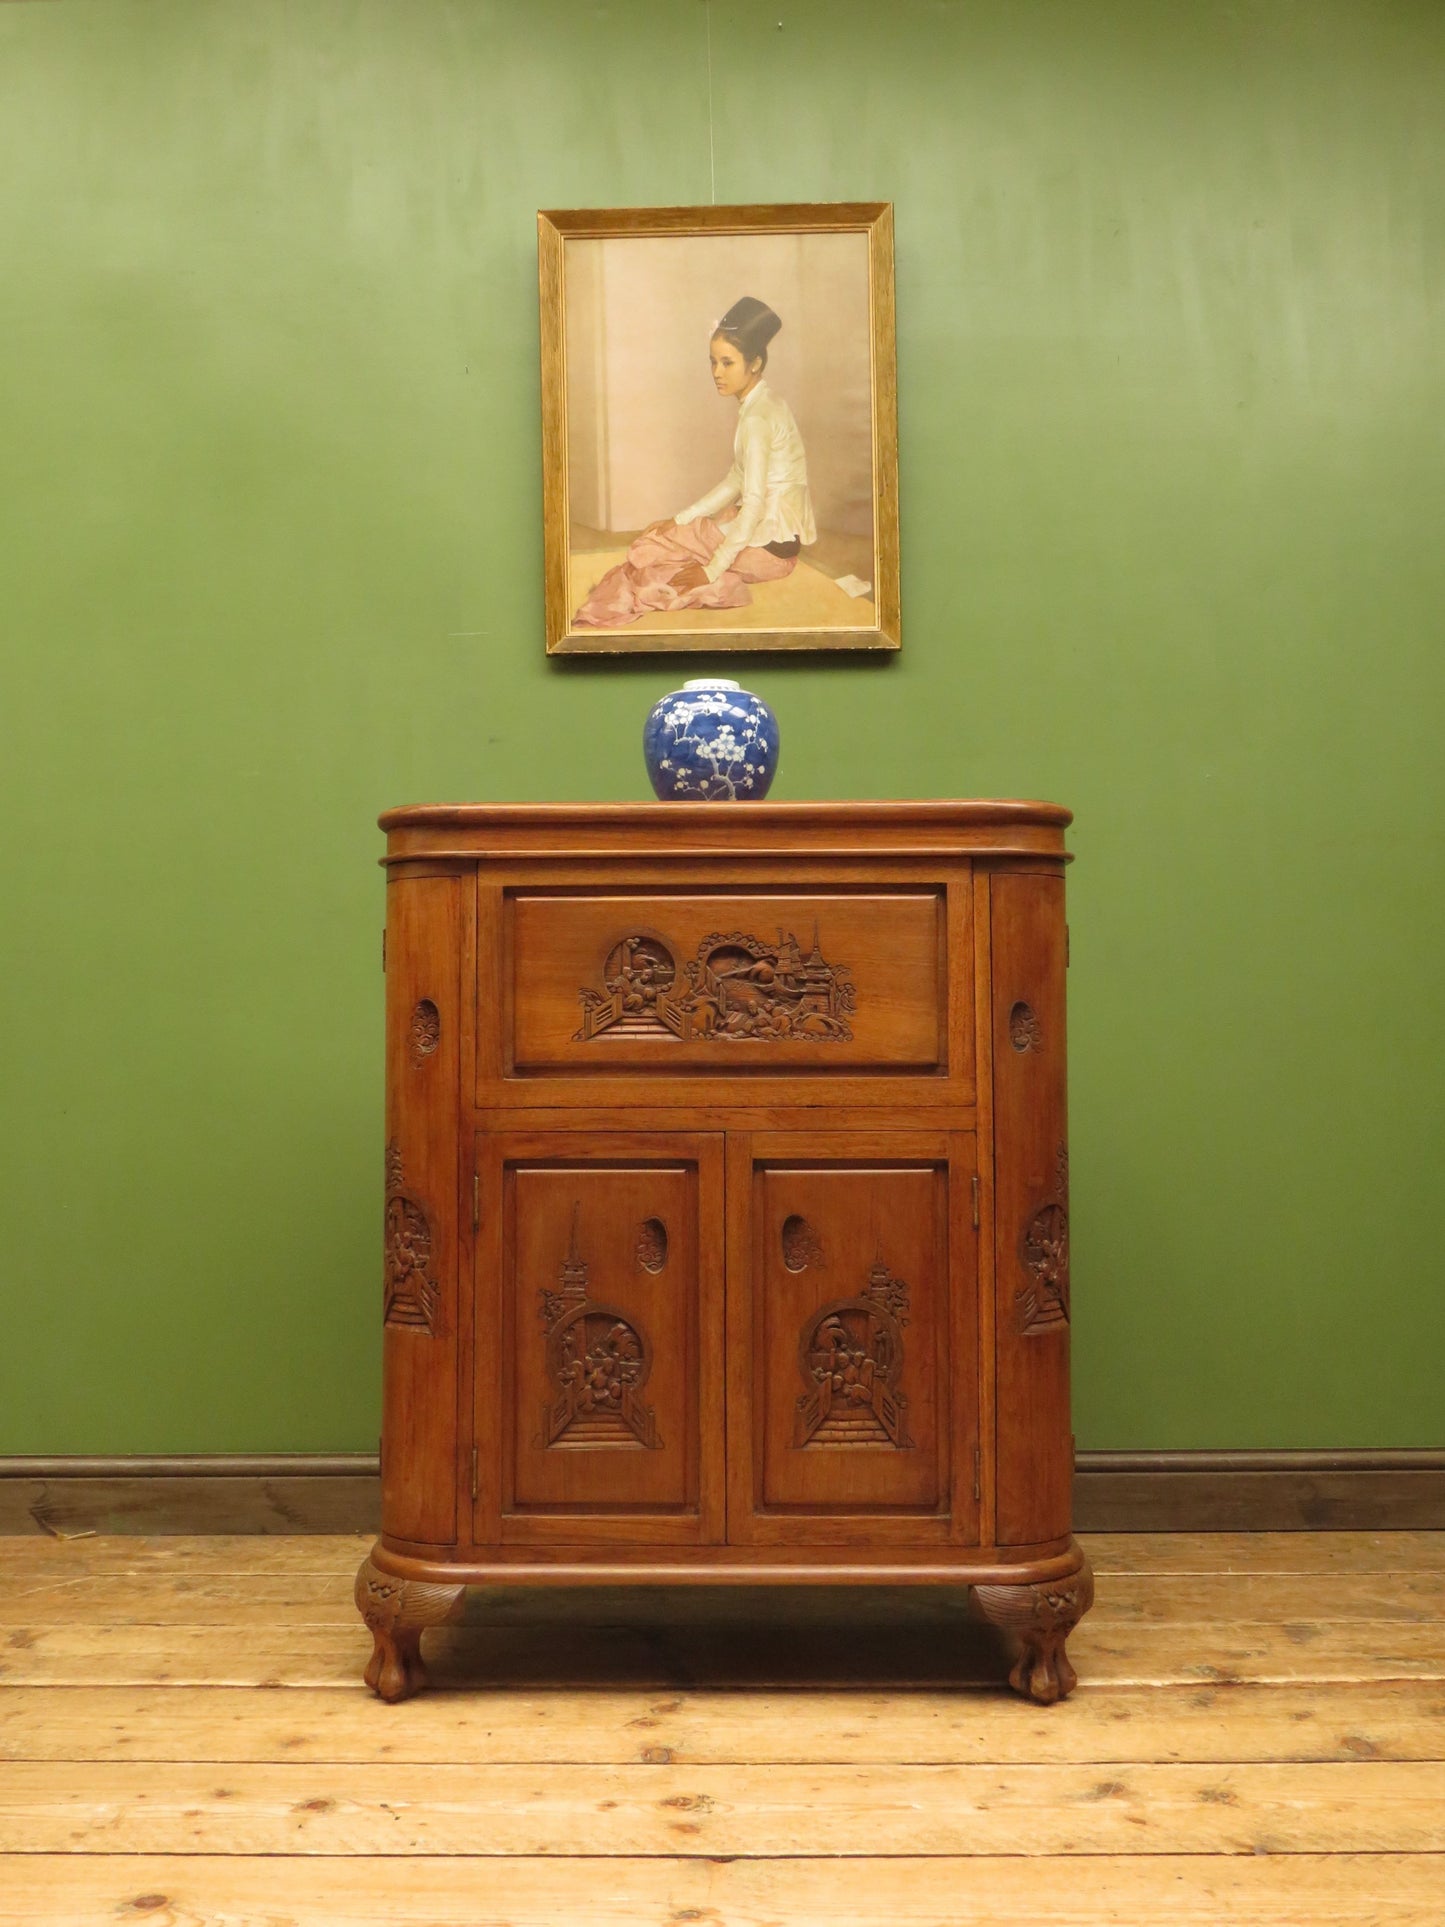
{"points": [[1170, 284]]}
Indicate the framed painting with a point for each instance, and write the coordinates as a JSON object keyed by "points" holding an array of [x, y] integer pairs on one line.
{"points": [[719, 428]]}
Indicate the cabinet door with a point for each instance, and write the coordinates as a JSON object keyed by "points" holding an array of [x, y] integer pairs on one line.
{"points": [[852, 1346], [598, 1339]]}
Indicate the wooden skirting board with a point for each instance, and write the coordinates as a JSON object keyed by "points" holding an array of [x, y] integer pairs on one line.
{"points": [[1113, 1492]]}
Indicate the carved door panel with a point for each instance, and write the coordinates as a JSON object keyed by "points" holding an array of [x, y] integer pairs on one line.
{"points": [[852, 1348], [598, 1339]]}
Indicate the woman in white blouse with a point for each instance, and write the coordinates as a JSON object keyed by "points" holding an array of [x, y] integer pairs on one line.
{"points": [[751, 526]]}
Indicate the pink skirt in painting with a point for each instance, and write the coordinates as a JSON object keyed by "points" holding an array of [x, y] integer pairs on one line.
{"points": [[642, 585]]}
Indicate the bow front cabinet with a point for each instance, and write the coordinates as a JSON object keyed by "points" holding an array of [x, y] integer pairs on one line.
{"points": [[726, 1215]]}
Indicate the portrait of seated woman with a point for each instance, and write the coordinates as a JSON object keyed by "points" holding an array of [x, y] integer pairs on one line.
{"points": [[719, 437], [751, 527]]}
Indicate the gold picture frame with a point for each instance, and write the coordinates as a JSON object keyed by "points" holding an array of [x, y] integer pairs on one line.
{"points": [[639, 306]]}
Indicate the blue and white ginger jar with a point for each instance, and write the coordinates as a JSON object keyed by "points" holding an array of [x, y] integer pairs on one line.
{"points": [[711, 741]]}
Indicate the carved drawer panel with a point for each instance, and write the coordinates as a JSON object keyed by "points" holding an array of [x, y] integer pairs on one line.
{"points": [[754, 980]]}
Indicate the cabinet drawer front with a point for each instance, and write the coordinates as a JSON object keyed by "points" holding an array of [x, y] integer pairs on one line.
{"points": [[755, 980]]}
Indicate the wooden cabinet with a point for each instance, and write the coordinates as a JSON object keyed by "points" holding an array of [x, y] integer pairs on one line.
{"points": [[726, 1212]]}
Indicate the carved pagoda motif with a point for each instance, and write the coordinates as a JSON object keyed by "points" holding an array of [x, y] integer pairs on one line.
{"points": [[737, 986], [851, 1359], [413, 1296], [598, 1361]]}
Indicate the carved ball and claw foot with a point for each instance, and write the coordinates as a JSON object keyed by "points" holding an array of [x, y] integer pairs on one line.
{"points": [[1043, 1617], [398, 1611]]}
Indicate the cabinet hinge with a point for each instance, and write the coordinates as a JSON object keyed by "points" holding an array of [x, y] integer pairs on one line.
{"points": [[975, 1200], [1066, 946], [474, 1475], [476, 1200], [977, 1475], [383, 949]]}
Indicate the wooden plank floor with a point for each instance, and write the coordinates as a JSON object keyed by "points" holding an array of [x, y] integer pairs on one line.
{"points": [[1259, 1737]]}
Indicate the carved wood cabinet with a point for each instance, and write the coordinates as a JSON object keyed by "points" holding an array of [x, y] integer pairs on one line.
{"points": [[726, 1219]]}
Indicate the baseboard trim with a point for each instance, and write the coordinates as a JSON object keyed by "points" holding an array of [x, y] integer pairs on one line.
{"points": [[340, 1492], [1398, 1491], [233, 1492]]}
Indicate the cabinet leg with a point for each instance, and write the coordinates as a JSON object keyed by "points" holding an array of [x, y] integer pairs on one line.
{"points": [[1043, 1617], [397, 1611]]}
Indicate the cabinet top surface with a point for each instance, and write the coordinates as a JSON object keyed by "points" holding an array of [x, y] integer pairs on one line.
{"points": [[966, 812], [478, 828]]}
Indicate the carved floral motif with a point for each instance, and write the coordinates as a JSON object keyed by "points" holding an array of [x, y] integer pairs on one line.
{"points": [[1024, 1029], [737, 986], [802, 1246], [652, 1245], [850, 1356], [413, 1296], [598, 1361], [425, 1031]]}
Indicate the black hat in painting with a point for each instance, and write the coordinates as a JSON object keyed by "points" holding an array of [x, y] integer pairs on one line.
{"points": [[751, 323]]}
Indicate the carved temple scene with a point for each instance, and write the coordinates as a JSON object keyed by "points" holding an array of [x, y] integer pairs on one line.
{"points": [[850, 1356], [1043, 1298], [412, 1294], [737, 986], [598, 1361]]}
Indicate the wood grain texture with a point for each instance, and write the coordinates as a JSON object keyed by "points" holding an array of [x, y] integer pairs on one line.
{"points": [[888, 1220], [586, 1219], [650, 1640], [422, 1234], [883, 950], [900, 1059], [1387, 1889], [173, 1596], [1055, 1810], [622, 1725], [637, 1783], [560, 831], [538, 1189], [1034, 1443], [1206, 1555]]}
